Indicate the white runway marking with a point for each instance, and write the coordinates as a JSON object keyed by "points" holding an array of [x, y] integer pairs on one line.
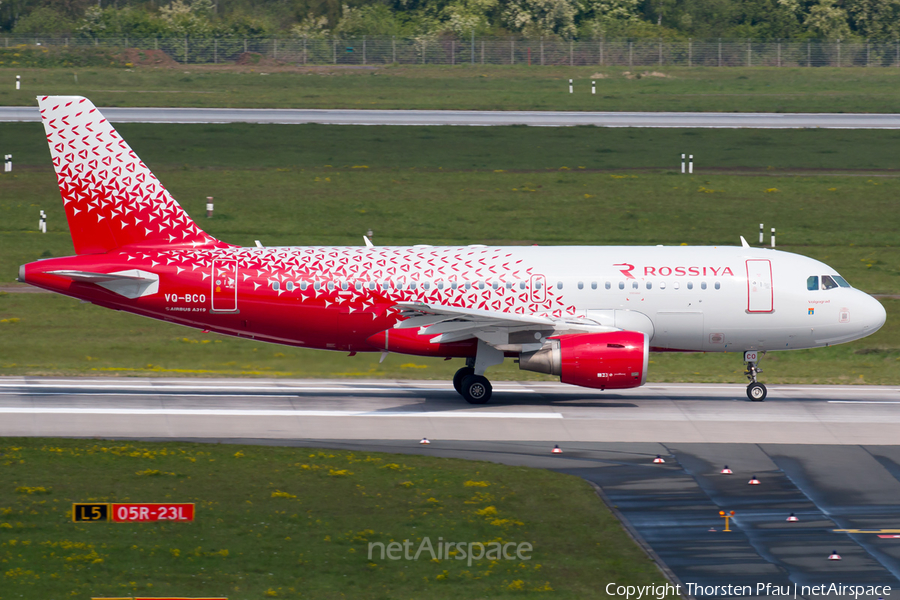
{"points": [[275, 413]]}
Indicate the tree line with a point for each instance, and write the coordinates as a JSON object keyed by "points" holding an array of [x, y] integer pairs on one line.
{"points": [[559, 19]]}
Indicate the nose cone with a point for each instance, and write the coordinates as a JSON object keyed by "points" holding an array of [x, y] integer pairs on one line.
{"points": [[874, 315]]}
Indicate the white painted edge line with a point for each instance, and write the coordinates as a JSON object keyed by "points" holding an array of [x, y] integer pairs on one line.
{"points": [[219, 392], [273, 413], [864, 402]]}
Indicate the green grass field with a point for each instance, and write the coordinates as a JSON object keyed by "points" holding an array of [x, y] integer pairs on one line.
{"points": [[509, 185], [296, 523], [472, 87]]}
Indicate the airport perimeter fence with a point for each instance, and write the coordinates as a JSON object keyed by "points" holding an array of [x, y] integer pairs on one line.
{"points": [[494, 51]]}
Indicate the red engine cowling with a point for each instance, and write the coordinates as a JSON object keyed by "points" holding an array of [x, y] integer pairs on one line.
{"points": [[608, 361]]}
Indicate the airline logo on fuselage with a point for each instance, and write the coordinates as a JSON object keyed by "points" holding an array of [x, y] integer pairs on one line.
{"points": [[626, 270]]}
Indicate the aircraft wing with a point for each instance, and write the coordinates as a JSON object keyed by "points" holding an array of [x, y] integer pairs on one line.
{"points": [[453, 323]]}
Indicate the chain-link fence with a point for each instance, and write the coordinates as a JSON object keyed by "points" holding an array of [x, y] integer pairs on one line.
{"points": [[494, 51]]}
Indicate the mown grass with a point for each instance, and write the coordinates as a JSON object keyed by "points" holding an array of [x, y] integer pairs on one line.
{"points": [[472, 87], [510, 185], [296, 523]]}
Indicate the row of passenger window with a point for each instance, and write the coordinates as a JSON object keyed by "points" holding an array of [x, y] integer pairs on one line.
{"points": [[522, 285]]}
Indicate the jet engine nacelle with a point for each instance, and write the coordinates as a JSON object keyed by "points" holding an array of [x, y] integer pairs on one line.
{"points": [[608, 361]]}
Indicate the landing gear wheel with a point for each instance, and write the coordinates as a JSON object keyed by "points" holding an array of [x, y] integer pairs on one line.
{"points": [[756, 392], [460, 375], [476, 389]]}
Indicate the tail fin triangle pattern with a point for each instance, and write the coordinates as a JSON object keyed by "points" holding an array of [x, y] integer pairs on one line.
{"points": [[112, 200]]}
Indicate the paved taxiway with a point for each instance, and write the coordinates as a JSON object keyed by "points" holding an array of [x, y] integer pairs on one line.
{"points": [[484, 118], [829, 454]]}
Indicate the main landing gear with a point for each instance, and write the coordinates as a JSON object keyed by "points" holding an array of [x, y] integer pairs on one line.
{"points": [[755, 391], [476, 389], [470, 381]]}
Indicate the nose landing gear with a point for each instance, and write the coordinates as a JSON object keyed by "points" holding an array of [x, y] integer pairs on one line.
{"points": [[755, 391]]}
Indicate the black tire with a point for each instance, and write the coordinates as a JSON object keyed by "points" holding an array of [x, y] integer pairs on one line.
{"points": [[757, 392], [476, 389], [460, 375]]}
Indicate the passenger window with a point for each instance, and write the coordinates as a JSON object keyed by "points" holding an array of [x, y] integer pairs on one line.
{"points": [[703, 285], [634, 285], [440, 285], [690, 285], [718, 285], [621, 285], [522, 285], [649, 285], [371, 285], [559, 285], [468, 285], [454, 285], [303, 285], [275, 286], [812, 283], [593, 285], [580, 285], [607, 285], [676, 285], [317, 286], [330, 285], [828, 283], [662, 285], [289, 286], [495, 285], [358, 285], [841, 281], [412, 285], [426, 286], [537, 285], [480, 285], [345, 286], [509, 285]]}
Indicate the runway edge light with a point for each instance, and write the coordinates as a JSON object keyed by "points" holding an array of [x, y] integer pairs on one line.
{"points": [[753, 481], [834, 555], [424, 442], [725, 471], [658, 460], [556, 450], [792, 518]]}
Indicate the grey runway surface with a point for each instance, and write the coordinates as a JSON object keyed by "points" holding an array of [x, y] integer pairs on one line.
{"points": [[481, 118], [828, 454], [399, 410]]}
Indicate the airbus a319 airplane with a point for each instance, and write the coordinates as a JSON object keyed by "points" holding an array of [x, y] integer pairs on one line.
{"points": [[590, 315]]}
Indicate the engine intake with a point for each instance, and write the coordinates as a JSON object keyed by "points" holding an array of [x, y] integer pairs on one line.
{"points": [[609, 361]]}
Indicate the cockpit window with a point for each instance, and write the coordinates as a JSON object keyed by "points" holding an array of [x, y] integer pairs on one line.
{"points": [[828, 283], [812, 283], [841, 281]]}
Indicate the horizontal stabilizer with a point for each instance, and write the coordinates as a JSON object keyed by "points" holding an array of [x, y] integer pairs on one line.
{"points": [[131, 284]]}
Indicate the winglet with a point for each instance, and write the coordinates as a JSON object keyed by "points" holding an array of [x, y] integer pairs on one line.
{"points": [[369, 243], [744, 243]]}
